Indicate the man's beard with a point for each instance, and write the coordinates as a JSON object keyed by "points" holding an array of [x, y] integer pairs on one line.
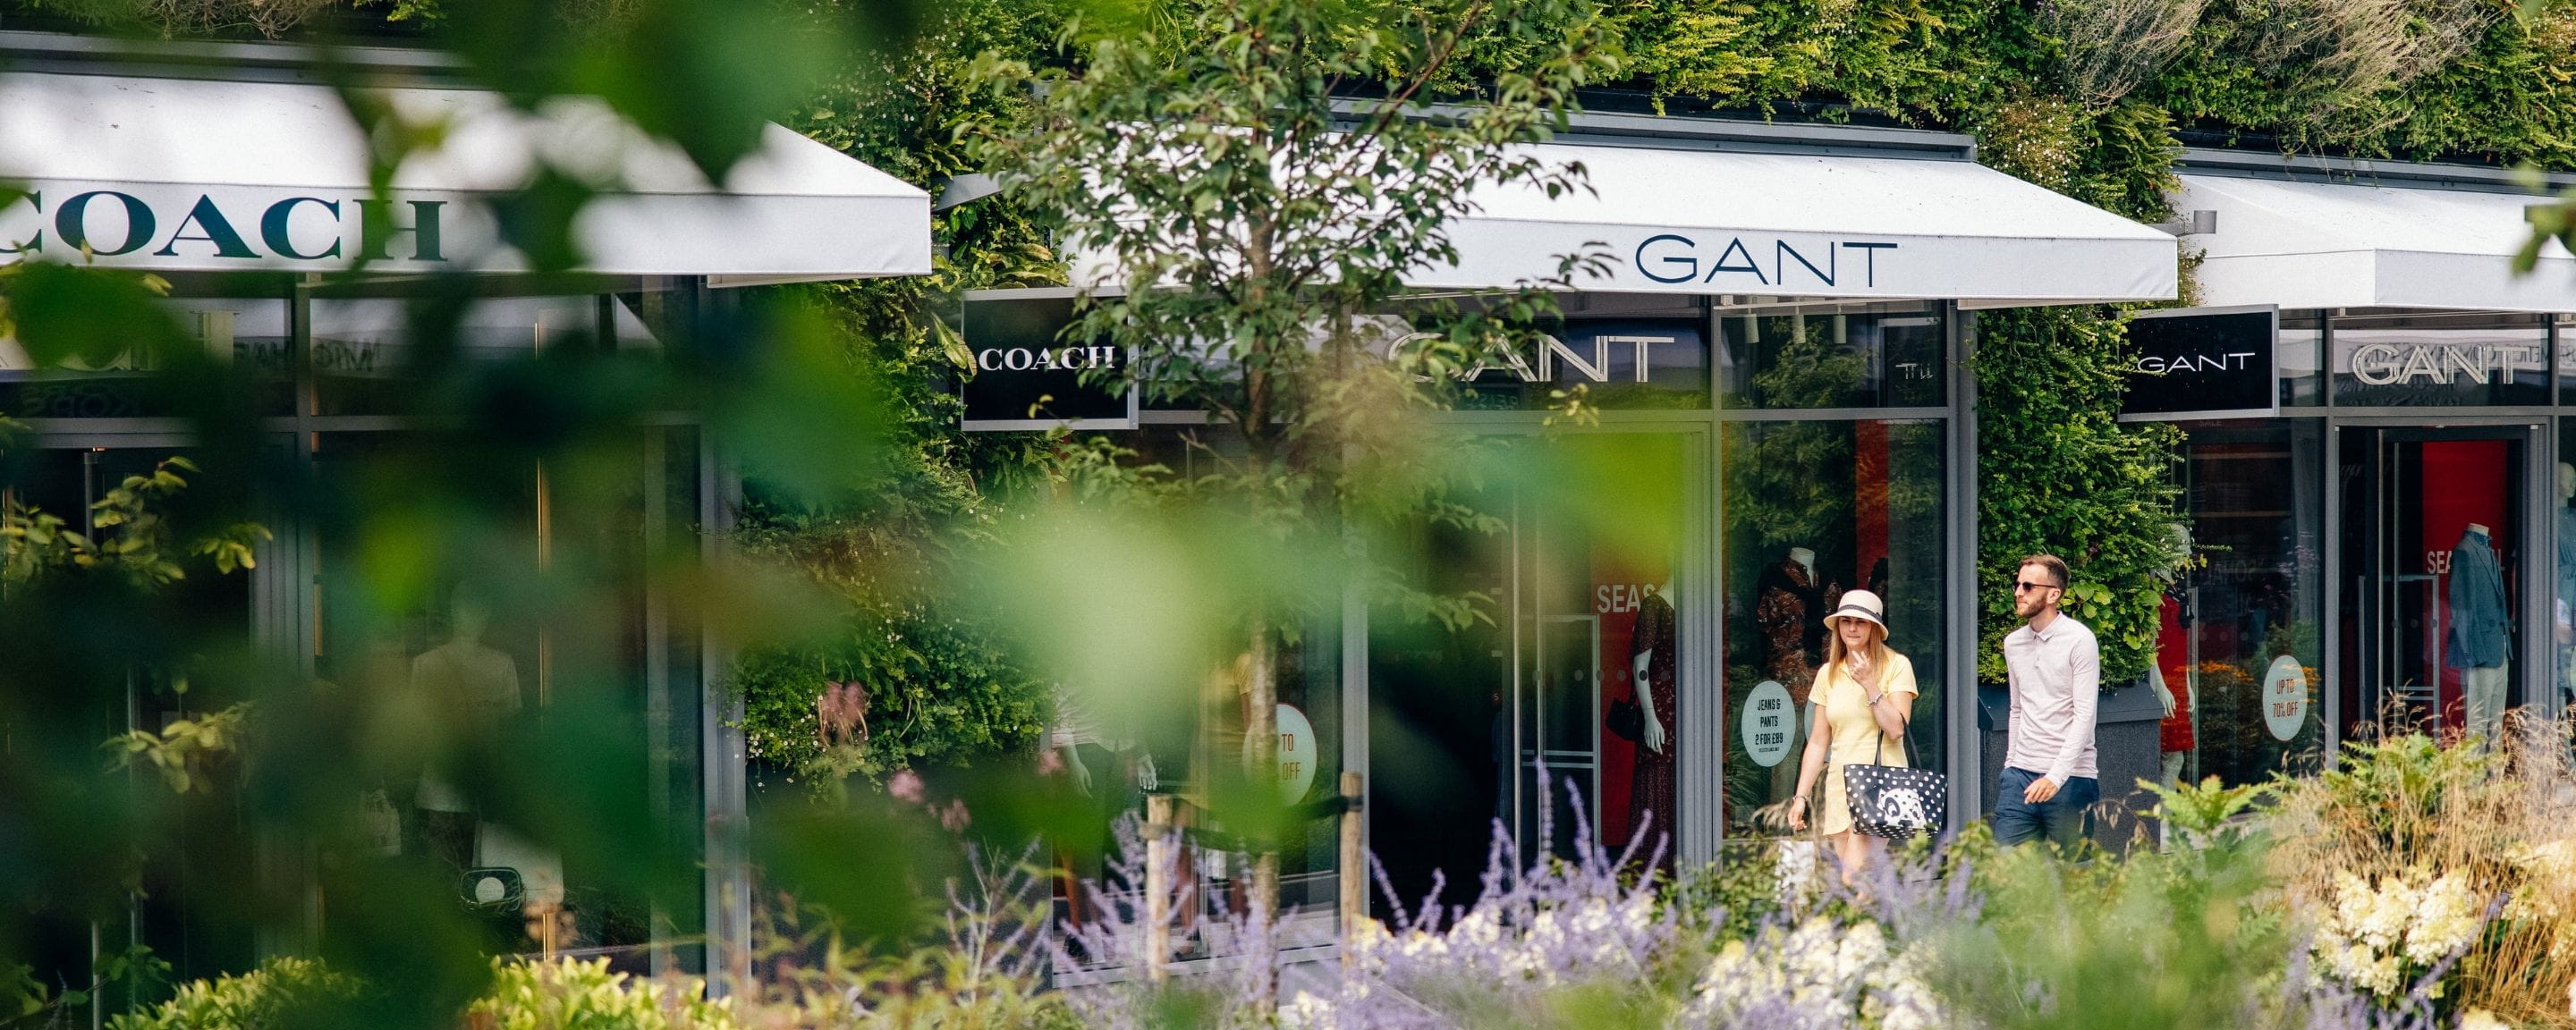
{"points": [[2026, 609]]}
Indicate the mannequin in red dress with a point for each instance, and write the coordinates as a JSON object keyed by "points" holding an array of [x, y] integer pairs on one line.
{"points": [[1653, 789], [2172, 671]]}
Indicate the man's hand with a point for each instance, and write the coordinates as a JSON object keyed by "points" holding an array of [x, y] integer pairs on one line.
{"points": [[2039, 791]]}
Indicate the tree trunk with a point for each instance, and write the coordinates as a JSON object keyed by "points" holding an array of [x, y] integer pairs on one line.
{"points": [[1261, 733]]}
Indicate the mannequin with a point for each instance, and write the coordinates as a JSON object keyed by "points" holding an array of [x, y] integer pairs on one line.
{"points": [[2169, 668], [2480, 642], [1789, 608], [1653, 738], [1652, 786], [477, 687], [2566, 595]]}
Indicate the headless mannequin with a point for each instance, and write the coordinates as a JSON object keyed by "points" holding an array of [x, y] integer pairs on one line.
{"points": [[2172, 761], [475, 684], [1653, 797], [2480, 642], [1653, 738], [2566, 621]]}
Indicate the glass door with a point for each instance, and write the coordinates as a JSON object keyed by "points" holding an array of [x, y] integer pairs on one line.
{"points": [[1500, 725], [2434, 550]]}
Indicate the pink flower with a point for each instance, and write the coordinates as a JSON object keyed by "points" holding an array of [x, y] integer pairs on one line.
{"points": [[906, 786], [954, 817]]}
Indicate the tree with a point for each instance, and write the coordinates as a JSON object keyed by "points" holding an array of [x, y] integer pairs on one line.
{"points": [[1255, 178]]}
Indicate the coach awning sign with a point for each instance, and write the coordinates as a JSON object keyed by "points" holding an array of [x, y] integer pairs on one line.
{"points": [[2202, 363], [172, 175]]}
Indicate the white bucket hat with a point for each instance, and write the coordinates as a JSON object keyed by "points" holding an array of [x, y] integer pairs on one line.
{"points": [[1860, 604]]}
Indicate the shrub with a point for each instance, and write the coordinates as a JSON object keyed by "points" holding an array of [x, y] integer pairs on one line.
{"points": [[2183, 937], [283, 992], [570, 994], [2396, 848]]}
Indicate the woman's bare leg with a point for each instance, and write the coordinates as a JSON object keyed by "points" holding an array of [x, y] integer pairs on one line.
{"points": [[1851, 847]]}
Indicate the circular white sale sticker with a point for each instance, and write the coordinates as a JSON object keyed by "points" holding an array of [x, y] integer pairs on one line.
{"points": [[1770, 723], [2285, 698], [1296, 754]]}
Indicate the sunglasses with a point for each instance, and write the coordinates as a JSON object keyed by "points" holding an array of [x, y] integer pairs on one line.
{"points": [[2021, 586]]}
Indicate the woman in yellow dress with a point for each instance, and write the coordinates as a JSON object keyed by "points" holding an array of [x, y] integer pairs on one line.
{"points": [[1863, 695]]}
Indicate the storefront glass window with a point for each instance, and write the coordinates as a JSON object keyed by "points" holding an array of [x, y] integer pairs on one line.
{"points": [[1509, 721], [249, 333], [547, 644], [1810, 510], [2241, 642], [362, 347], [2300, 355], [2562, 338], [1832, 356], [1614, 361], [2388, 361], [2562, 522]]}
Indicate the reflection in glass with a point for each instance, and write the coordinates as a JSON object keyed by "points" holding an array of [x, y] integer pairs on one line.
{"points": [[499, 671], [2562, 522], [2420, 360], [2240, 711], [1488, 724], [362, 345], [250, 333], [2300, 356], [1812, 509], [1832, 357]]}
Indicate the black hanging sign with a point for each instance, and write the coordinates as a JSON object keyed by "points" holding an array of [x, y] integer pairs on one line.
{"points": [[2200, 363], [1027, 376]]}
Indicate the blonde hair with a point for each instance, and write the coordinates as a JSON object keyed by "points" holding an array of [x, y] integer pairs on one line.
{"points": [[1879, 654]]}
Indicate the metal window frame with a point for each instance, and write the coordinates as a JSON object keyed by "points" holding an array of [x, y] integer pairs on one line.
{"points": [[1701, 759], [286, 612]]}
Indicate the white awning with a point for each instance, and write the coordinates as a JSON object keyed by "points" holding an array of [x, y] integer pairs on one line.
{"points": [[2332, 245], [193, 175], [1781, 225]]}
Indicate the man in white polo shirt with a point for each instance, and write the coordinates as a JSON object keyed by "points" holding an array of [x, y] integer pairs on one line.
{"points": [[2049, 782]]}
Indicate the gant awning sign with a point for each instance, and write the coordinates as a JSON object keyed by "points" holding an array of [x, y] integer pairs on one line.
{"points": [[1679, 221]]}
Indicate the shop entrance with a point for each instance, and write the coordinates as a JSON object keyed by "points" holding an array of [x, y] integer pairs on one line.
{"points": [[2435, 551], [1499, 725]]}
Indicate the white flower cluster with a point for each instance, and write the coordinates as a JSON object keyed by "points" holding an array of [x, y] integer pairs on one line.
{"points": [[2481, 1019], [1820, 974], [1592, 935], [1491, 949], [2546, 869], [2382, 935]]}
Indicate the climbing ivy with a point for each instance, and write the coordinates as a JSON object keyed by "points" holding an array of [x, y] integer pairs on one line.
{"points": [[2058, 473]]}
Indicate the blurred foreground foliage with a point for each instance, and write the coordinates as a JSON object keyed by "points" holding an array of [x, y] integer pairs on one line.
{"points": [[2225, 925]]}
